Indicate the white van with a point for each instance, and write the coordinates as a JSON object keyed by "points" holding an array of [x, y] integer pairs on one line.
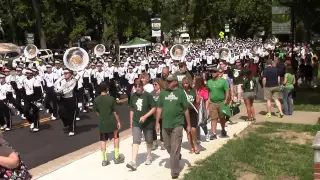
{"points": [[46, 54], [184, 37]]}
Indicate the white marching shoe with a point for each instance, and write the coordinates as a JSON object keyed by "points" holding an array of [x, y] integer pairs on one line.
{"points": [[71, 133], [53, 118], [31, 126], [3, 127], [77, 119], [23, 117], [35, 130]]}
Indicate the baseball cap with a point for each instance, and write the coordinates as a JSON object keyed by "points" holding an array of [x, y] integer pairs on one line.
{"points": [[172, 78]]}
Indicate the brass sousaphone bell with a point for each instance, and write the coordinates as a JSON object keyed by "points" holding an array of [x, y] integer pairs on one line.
{"points": [[178, 52], [30, 51], [75, 58], [157, 47], [99, 49], [224, 53]]}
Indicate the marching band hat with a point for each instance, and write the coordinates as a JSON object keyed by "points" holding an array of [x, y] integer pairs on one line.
{"points": [[99, 64], [2, 76], [130, 67], [66, 71], [57, 62], [172, 77], [18, 69], [7, 70], [34, 70], [28, 71], [48, 66]]}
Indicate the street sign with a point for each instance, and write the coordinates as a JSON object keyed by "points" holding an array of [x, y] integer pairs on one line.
{"points": [[156, 27], [226, 28]]}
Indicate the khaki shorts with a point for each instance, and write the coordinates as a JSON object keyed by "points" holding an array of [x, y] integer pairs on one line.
{"points": [[271, 93], [214, 111]]}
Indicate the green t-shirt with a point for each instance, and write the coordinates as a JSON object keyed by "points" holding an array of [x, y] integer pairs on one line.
{"points": [[141, 105], [217, 89], [180, 76], [105, 105], [173, 104], [249, 85], [290, 79]]}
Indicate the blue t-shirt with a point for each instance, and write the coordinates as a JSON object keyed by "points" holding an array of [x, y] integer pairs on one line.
{"points": [[271, 74]]}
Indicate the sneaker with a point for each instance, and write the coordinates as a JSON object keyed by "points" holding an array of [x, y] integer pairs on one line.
{"points": [[154, 146], [105, 163], [223, 133], [132, 165], [268, 115], [162, 146], [77, 119], [207, 137], [148, 161], [280, 115], [213, 137], [84, 111], [71, 133], [119, 160], [7, 129]]}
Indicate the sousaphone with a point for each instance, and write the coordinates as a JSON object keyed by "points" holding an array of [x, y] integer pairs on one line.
{"points": [[157, 47], [75, 58], [30, 51], [224, 53], [99, 49], [178, 52]]}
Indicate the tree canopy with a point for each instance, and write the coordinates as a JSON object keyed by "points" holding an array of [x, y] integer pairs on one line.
{"points": [[113, 22]]}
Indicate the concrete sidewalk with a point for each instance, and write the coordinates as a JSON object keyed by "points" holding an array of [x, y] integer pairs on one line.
{"points": [[90, 167]]}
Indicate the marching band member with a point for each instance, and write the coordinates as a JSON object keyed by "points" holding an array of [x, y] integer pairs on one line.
{"points": [[100, 77], [30, 110], [79, 96], [38, 88], [10, 79], [64, 87], [20, 91], [121, 72], [50, 96], [130, 76], [87, 85], [4, 109]]}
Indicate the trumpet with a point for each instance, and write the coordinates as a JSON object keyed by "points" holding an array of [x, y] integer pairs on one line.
{"points": [[30, 51]]}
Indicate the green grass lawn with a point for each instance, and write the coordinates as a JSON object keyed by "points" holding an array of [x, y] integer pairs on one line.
{"points": [[258, 153]]}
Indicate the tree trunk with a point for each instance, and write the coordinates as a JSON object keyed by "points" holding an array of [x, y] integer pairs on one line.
{"points": [[40, 30]]}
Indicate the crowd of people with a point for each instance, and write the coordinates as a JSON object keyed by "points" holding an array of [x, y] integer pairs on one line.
{"points": [[165, 94]]}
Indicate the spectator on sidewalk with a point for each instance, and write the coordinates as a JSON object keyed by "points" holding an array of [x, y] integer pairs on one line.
{"points": [[219, 95], [109, 123], [173, 108], [270, 82], [249, 93], [142, 108], [288, 83]]}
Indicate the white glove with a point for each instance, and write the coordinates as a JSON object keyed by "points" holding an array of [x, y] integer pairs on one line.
{"points": [[14, 96], [79, 105], [44, 95]]}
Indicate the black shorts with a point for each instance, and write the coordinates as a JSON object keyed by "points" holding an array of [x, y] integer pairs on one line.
{"points": [[193, 119], [109, 136]]}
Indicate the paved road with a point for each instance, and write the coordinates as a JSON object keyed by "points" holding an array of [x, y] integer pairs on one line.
{"points": [[51, 142]]}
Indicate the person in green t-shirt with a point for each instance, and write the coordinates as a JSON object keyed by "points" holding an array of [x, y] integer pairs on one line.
{"points": [[191, 95], [109, 123], [288, 83], [183, 72], [219, 96], [173, 108], [250, 90], [142, 108]]}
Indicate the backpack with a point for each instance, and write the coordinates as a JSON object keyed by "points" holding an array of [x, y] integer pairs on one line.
{"points": [[20, 173]]}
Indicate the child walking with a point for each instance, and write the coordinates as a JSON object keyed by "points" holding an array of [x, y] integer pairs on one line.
{"points": [[109, 123]]}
